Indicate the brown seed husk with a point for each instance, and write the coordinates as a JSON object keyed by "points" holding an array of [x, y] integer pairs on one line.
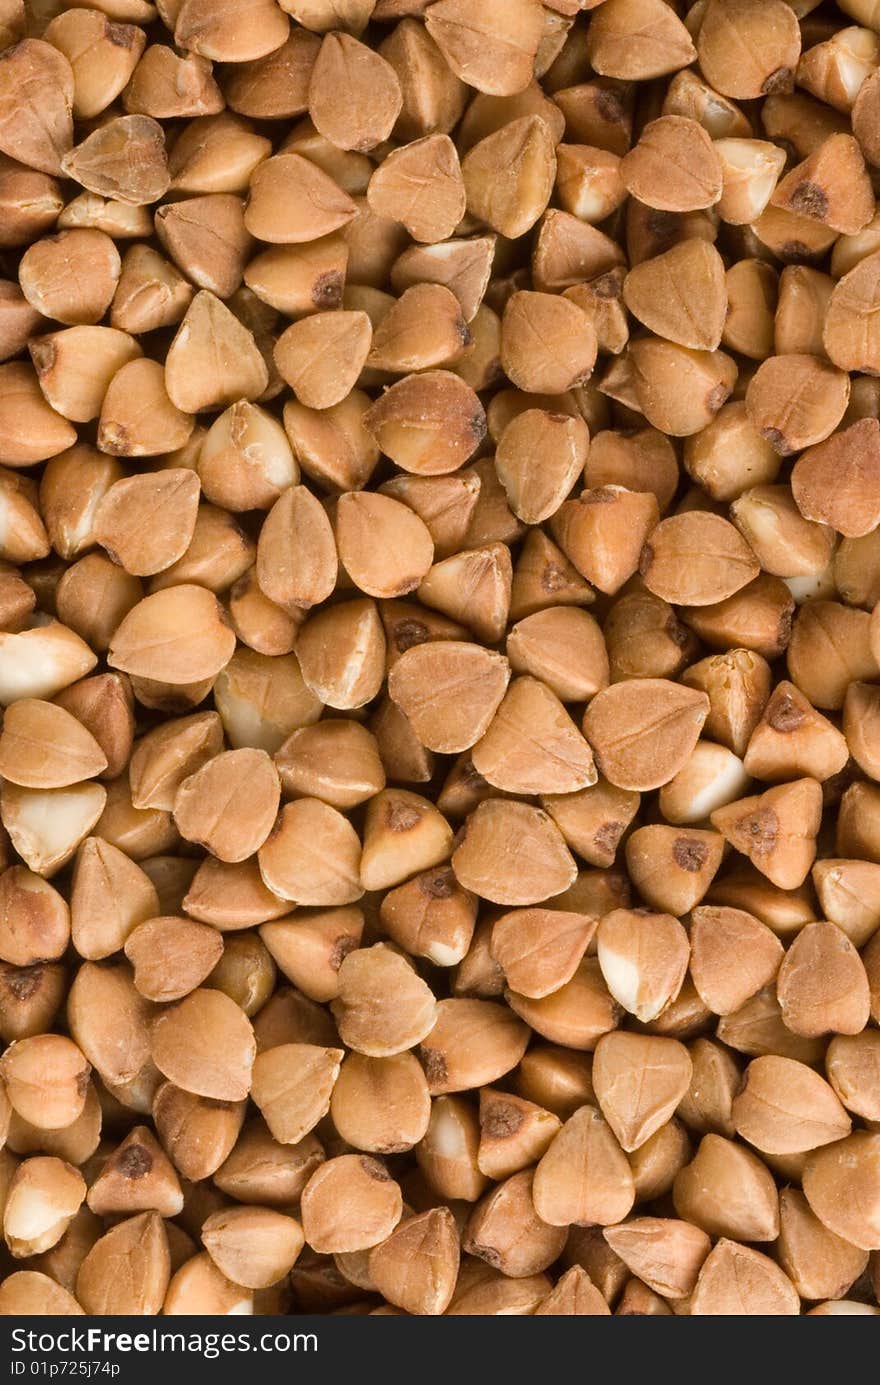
{"points": [[584, 1178], [539, 950], [213, 360], [696, 559], [365, 115], [176, 636], [384, 547], [509, 176], [673, 167], [172, 956], [206, 1046], [786, 1108], [662, 293], [415, 1268], [634, 1109], [36, 104], [292, 1085], [513, 854], [532, 746], [835, 482], [747, 48], [293, 200], [229, 805], [133, 510], [733, 955], [822, 986], [643, 732], [830, 186], [737, 1280], [123, 159], [128, 1268], [44, 747], [796, 401], [842, 1186], [420, 185]]}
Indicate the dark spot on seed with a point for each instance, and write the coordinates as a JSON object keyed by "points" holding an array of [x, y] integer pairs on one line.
{"points": [[342, 946], [373, 1169], [433, 1060], [663, 226], [808, 199], [471, 777], [795, 250], [437, 884], [716, 397], [607, 837], [601, 495], [777, 441], [486, 1253], [134, 1162], [44, 354], [782, 80], [402, 817], [120, 35], [762, 830], [327, 289], [677, 632], [553, 579], [464, 332], [609, 105], [114, 438], [24, 982], [501, 1120], [409, 633], [784, 714], [786, 620], [477, 424], [606, 286], [646, 558], [618, 887], [690, 854]]}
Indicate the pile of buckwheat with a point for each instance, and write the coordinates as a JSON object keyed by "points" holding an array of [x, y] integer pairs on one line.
{"points": [[440, 657]]}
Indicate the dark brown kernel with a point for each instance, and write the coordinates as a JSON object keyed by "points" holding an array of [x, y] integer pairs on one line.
{"points": [[808, 199], [690, 854], [438, 886], [762, 829], [409, 633], [782, 80], [135, 1162], [500, 1120], [402, 817], [434, 1063], [784, 714]]}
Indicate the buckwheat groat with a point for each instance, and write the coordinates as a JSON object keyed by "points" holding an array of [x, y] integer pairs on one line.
{"points": [[440, 657]]}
